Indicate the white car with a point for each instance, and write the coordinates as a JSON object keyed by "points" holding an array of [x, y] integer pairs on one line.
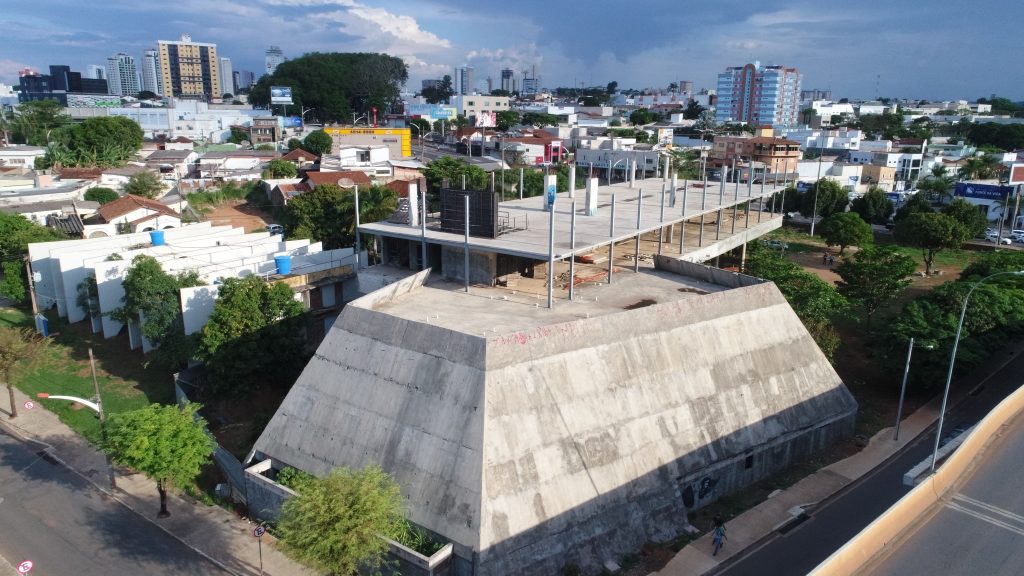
{"points": [[998, 240]]}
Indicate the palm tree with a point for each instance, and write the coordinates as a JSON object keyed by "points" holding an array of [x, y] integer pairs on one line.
{"points": [[376, 203], [938, 185]]}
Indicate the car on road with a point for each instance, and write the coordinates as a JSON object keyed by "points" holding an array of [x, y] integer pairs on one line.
{"points": [[275, 229], [998, 239], [775, 244]]}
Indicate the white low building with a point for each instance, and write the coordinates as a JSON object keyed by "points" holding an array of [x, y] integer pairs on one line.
{"points": [[20, 156]]}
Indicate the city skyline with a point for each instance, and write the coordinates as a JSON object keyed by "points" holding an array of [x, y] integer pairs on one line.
{"points": [[873, 49]]}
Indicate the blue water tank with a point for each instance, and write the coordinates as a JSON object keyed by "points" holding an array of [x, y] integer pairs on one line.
{"points": [[157, 237], [284, 264]]}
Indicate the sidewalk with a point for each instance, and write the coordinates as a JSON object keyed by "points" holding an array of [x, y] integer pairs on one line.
{"points": [[212, 531], [751, 526]]}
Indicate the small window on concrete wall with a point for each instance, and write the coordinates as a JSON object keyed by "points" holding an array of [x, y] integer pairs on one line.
{"points": [[748, 462]]}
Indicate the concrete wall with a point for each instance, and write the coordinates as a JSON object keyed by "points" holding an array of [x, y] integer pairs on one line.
{"points": [[263, 496], [483, 266], [705, 273]]}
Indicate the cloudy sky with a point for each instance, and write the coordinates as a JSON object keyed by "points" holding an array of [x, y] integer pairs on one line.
{"points": [[943, 49]]}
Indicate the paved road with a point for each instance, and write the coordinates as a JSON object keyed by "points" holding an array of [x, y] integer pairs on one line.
{"points": [[841, 518], [67, 527], [981, 530]]}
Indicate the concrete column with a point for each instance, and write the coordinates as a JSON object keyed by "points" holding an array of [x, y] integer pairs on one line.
{"points": [[550, 191], [572, 180], [593, 185], [700, 235], [735, 206], [675, 188], [661, 230], [520, 183], [704, 192], [718, 226], [682, 237]]}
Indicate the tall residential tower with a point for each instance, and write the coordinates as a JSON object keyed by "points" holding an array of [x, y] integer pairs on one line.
{"points": [[189, 69], [274, 58], [759, 95], [151, 79], [122, 78]]}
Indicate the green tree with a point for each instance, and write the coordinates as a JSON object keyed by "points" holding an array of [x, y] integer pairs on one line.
{"points": [[452, 170], [16, 233], [916, 204], [147, 95], [166, 443], [641, 117], [33, 121], [101, 195], [422, 126], [152, 297], [318, 142], [874, 206], [238, 135], [985, 167], [439, 94], [846, 229], [938, 185], [931, 233], [830, 197], [874, 276], [254, 332], [294, 144], [376, 203], [337, 524], [278, 168], [18, 346], [815, 301], [612, 88], [327, 213], [146, 184], [1002, 136], [506, 119], [539, 119], [967, 215], [693, 110], [337, 84], [265, 147]]}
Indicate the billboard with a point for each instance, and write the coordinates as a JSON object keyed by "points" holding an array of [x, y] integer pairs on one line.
{"points": [[280, 95], [982, 191], [486, 120], [432, 110], [292, 122], [665, 136]]}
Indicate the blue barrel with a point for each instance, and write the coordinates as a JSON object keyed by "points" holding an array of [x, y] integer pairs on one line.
{"points": [[157, 237], [284, 264]]}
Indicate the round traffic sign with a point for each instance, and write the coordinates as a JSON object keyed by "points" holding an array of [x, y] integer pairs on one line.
{"points": [[259, 531], [25, 567], [28, 406]]}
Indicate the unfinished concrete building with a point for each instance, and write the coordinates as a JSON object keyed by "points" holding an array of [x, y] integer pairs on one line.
{"points": [[536, 432]]}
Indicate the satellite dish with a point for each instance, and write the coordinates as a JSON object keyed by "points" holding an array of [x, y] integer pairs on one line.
{"points": [[346, 182]]}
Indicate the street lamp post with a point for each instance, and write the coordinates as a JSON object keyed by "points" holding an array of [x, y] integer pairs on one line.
{"points": [[952, 358], [814, 210], [903, 387]]}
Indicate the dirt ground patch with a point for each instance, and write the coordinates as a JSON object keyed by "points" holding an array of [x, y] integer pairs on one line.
{"points": [[240, 214]]}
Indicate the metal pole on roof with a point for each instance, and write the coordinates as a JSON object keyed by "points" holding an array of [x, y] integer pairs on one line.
{"points": [[357, 226], [611, 245], [572, 252], [463, 181], [465, 250], [735, 204], [764, 176], [520, 183], [551, 254], [661, 230], [639, 213], [423, 229]]}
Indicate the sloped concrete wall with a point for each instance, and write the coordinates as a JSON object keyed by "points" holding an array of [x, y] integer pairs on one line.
{"points": [[593, 439]]}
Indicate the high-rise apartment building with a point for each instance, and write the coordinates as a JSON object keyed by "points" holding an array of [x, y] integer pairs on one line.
{"points": [[122, 77], [431, 83], [243, 79], [507, 76], [462, 81], [227, 78], [151, 78], [96, 72], [189, 69], [759, 95], [274, 57]]}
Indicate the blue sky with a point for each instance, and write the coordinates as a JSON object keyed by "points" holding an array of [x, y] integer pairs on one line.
{"points": [[936, 50]]}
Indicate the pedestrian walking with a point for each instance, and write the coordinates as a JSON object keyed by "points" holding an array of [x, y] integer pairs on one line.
{"points": [[718, 536], [831, 260], [824, 258]]}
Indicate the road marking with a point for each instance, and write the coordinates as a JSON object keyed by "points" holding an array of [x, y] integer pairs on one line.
{"points": [[1015, 524]]}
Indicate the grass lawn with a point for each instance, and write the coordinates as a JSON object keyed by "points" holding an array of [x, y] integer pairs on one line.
{"points": [[63, 368]]}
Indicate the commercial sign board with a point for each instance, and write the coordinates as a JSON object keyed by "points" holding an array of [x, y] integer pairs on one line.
{"points": [[665, 136], [486, 119], [982, 191], [432, 110], [400, 137], [292, 122], [280, 95]]}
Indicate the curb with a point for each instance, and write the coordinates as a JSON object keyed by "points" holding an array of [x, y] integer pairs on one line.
{"points": [[18, 434]]}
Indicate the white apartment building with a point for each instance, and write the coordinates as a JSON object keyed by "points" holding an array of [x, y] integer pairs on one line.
{"points": [[151, 79], [474, 104], [122, 76], [227, 78], [273, 58], [842, 139]]}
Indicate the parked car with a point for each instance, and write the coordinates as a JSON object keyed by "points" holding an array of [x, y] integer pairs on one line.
{"points": [[275, 228], [998, 239], [775, 244]]}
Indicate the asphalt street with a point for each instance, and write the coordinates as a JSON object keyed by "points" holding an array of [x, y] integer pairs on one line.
{"points": [[981, 529], [67, 527], [840, 518]]}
